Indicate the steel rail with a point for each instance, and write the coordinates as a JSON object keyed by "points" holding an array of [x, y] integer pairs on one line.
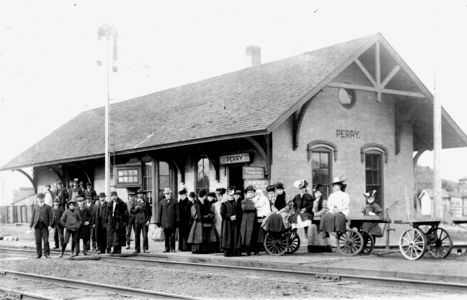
{"points": [[16, 294], [332, 276], [134, 292]]}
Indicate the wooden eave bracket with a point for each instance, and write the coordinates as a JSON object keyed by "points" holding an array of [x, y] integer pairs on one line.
{"points": [[31, 179], [297, 119], [179, 163], [214, 159], [265, 152]]}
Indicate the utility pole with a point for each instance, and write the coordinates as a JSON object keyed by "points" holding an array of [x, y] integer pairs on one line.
{"points": [[437, 138], [107, 36]]}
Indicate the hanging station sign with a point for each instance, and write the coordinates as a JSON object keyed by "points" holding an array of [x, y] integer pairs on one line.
{"points": [[234, 158], [253, 173]]}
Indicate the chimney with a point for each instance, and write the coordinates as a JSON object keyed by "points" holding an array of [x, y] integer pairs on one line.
{"points": [[253, 56]]}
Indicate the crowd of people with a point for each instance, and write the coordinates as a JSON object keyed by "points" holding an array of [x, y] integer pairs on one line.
{"points": [[228, 220]]}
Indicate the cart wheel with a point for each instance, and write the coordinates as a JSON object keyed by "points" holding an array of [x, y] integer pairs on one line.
{"points": [[350, 243], [412, 244], [442, 244], [294, 243], [275, 243], [368, 243]]}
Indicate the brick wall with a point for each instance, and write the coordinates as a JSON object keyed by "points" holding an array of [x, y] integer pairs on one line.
{"points": [[375, 123]]}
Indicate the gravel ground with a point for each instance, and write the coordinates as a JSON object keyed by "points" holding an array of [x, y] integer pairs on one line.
{"points": [[204, 284]]}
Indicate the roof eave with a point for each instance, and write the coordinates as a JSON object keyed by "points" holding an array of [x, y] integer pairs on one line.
{"points": [[142, 149]]}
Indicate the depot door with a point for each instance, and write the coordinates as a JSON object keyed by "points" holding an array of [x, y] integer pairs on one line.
{"points": [[236, 176]]}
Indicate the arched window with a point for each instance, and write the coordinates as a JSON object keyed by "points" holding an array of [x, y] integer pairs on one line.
{"points": [[322, 154], [202, 174]]}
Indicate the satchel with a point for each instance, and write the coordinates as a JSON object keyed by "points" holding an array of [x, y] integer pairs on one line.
{"points": [[158, 234]]}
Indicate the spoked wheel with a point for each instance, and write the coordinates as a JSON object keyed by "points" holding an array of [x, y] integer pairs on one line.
{"points": [[350, 243], [368, 243], [442, 244], [294, 243], [412, 244], [275, 243]]}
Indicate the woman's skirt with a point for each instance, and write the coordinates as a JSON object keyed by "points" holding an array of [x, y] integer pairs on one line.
{"points": [[333, 222]]}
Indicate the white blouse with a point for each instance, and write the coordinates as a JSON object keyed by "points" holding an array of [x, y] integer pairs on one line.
{"points": [[339, 202]]}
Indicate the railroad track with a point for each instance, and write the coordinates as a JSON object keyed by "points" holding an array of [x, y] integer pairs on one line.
{"points": [[75, 284], [155, 260]]}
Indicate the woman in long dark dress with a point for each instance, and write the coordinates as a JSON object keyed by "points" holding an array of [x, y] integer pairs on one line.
{"points": [[247, 232], [202, 233], [230, 238], [303, 207]]}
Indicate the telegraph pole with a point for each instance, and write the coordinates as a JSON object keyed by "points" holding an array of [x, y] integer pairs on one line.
{"points": [[437, 133], [107, 36]]}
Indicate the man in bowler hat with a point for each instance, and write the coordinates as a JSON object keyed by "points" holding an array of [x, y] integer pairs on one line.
{"points": [[142, 215], [42, 221], [167, 218]]}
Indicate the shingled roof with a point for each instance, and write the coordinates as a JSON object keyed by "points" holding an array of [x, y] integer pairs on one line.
{"points": [[246, 102]]}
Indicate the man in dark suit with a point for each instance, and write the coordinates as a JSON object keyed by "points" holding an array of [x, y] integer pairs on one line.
{"points": [[117, 218], [57, 211], [61, 194], [42, 221], [167, 218], [131, 218], [85, 228], [142, 214], [100, 223]]}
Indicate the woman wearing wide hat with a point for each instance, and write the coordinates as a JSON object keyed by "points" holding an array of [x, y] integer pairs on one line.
{"points": [[247, 229], [338, 204], [303, 207]]}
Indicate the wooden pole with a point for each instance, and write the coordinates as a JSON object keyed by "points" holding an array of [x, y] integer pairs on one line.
{"points": [[437, 138], [107, 119]]}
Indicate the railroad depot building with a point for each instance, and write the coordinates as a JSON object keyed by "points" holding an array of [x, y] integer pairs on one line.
{"points": [[353, 109]]}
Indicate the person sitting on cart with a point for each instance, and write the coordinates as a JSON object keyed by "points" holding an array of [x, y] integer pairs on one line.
{"points": [[303, 207], [334, 220], [316, 243], [372, 209]]}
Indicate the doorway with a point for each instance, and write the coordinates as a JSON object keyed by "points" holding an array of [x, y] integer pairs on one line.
{"points": [[236, 176]]}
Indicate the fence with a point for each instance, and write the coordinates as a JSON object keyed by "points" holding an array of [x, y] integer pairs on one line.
{"points": [[15, 214]]}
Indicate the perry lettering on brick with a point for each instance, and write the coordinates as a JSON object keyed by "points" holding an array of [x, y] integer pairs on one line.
{"points": [[347, 134]]}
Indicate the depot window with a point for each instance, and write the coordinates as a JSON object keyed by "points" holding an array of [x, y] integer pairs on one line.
{"points": [[128, 175]]}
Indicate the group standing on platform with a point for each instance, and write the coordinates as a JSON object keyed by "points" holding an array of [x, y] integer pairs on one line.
{"points": [[229, 221]]}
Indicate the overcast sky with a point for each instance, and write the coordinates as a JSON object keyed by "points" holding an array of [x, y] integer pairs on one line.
{"points": [[48, 52]]}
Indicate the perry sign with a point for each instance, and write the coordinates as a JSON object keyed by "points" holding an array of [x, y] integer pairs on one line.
{"points": [[234, 158]]}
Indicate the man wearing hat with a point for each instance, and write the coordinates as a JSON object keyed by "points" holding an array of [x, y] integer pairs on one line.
{"points": [[100, 225], [89, 191], [247, 232], [117, 218], [75, 190], [85, 228], [168, 218], [338, 204], [71, 220], [131, 218], [41, 221], [92, 207], [142, 215], [184, 226], [57, 212], [61, 194]]}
